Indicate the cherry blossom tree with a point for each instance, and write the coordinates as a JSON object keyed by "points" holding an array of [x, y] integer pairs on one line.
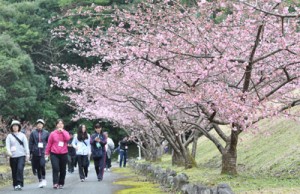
{"points": [[134, 105], [185, 68]]}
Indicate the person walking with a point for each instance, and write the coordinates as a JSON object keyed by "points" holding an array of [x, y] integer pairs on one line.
{"points": [[98, 142], [109, 148], [37, 143], [71, 154], [18, 152], [81, 142], [123, 151], [57, 148]]}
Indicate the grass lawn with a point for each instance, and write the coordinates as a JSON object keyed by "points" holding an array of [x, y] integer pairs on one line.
{"points": [[135, 183], [268, 160]]}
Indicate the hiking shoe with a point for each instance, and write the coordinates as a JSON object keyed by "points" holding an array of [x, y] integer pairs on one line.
{"points": [[60, 186], [18, 188], [55, 186], [41, 184], [44, 183]]}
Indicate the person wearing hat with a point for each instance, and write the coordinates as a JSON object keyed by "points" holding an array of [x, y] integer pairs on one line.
{"points": [[18, 152], [37, 144]]}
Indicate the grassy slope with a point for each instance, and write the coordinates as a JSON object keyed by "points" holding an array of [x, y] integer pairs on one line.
{"points": [[268, 160]]}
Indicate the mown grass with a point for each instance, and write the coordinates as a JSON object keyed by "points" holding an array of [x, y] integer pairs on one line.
{"points": [[268, 160], [135, 183]]}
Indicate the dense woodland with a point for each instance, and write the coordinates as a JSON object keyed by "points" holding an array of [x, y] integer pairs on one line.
{"points": [[28, 48]]}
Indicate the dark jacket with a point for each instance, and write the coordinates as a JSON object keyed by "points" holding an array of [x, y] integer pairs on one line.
{"points": [[34, 140], [71, 149], [124, 145], [102, 143]]}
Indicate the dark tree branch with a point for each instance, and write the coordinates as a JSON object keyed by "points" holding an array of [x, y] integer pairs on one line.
{"points": [[249, 66]]}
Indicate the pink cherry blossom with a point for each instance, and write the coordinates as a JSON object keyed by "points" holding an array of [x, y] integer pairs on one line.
{"points": [[178, 69]]}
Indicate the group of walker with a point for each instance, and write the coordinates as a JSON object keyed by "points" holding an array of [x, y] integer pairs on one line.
{"points": [[43, 145]]}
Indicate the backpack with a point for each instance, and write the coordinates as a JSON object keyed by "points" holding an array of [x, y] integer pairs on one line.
{"points": [[97, 152]]}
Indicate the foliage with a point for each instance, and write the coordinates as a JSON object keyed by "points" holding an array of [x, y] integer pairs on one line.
{"points": [[177, 70], [66, 3], [21, 22], [18, 81], [27, 25]]}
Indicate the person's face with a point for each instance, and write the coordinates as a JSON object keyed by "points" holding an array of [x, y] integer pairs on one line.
{"points": [[83, 128], [15, 128], [39, 126], [106, 135], [60, 125], [98, 130]]}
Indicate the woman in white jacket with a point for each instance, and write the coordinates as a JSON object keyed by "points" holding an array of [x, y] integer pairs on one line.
{"points": [[109, 147], [81, 142]]}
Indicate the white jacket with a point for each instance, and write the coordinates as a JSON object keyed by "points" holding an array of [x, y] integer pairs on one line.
{"points": [[82, 147], [109, 147]]}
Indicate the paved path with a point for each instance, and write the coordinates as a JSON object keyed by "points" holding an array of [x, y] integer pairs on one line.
{"points": [[73, 185]]}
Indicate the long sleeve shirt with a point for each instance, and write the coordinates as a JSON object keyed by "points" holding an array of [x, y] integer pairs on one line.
{"points": [[14, 148], [109, 147], [102, 142], [58, 142], [124, 145], [71, 149], [38, 141], [82, 147]]}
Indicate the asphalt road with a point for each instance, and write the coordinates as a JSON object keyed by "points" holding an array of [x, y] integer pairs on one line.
{"points": [[72, 185]]}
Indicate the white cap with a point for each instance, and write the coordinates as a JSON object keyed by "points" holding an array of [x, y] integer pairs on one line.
{"points": [[15, 122], [40, 121]]}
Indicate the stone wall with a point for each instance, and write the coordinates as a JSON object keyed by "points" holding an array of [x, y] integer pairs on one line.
{"points": [[177, 183], [3, 159]]}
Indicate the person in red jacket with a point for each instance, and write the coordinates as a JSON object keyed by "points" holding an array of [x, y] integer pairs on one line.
{"points": [[57, 148]]}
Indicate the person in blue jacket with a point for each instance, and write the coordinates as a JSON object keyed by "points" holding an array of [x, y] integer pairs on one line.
{"points": [[98, 142]]}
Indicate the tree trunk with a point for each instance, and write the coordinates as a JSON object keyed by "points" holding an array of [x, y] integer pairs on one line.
{"points": [[229, 156], [157, 153], [146, 155], [153, 155], [194, 147], [229, 162], [177, 159], [183, 158]]}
